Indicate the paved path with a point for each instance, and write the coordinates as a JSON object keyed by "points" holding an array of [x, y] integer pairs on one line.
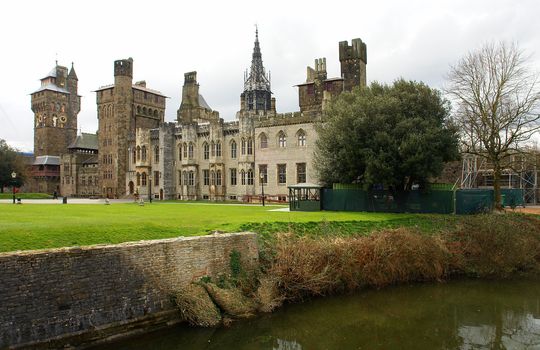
{"points": [[70, 201]]}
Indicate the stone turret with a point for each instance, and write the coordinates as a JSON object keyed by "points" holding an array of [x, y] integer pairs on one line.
{"points": [[353, 61]]}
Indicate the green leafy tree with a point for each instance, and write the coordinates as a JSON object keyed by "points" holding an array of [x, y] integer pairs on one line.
{"points": [[395, 135], [10, 161]]}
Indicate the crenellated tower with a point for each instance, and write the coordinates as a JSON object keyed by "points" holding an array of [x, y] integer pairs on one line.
{"points": [[257, 95], [56, 105], [353, 59]]}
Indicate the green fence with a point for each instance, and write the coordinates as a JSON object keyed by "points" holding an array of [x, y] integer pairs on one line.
{"points": [[437, 201], [383, 201]]}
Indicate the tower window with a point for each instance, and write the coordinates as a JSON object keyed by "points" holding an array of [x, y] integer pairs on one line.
{"points": [[282, 139], [233, 149], [206, 151]]}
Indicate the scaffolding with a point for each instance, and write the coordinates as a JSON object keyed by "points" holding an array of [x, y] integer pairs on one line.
{"points": [[478, 173]]}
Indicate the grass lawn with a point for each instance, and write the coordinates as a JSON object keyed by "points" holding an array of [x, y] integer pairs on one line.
{"points": [[37, 226], [8, 195]]}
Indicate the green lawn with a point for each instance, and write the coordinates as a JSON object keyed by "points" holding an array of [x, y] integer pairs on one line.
{"points": [[9, 195], [36, 226]]}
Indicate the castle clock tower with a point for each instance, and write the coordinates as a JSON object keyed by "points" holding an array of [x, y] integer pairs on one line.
{"points": [[56, 106]]}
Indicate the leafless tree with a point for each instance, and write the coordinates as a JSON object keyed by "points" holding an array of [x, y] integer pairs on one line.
{"points": [[497, 99]]}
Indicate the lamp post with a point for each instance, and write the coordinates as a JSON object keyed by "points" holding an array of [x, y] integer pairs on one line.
{"points": [[261, 177], [150, 189], [13, 177]]}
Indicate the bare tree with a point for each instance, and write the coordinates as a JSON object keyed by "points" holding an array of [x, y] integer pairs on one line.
{"points": [[497, 100]]}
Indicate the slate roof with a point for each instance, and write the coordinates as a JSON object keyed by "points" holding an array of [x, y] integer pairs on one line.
{"points": [[47, 160], [202, 102], [51, 87], [85, 141]]}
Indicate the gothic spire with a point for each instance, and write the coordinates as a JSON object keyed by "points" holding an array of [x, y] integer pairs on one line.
{"points": [[257, 79]]}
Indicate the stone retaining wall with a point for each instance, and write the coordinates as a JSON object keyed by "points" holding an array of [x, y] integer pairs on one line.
{"points": [[78, 295]]}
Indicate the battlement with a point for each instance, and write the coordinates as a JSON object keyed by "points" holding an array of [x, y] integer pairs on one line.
{"points": [[124, 67], [190, 77], [357, 50], [286, 119]]}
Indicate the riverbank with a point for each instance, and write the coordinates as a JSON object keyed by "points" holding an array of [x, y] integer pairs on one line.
{"points": [[295, 265]]}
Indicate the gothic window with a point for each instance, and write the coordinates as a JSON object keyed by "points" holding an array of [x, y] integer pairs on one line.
{"points": [[143, 179], [249, 146], [156, 154], [150, 112], [185, 150], [282, 139], [184, 178], [301, 138], [218, 177], [264, 140], [190, 150], [156, 178], [213, 149], [218, 149], [138, 152], [206, 151], [138, 109], [282, 174], [138, 179], [242, 177], [263, 173], [144, 110], [155, 113], [243, 146], [212, 178], [300, 173], [134, 156], [233, 149], [233, 176], [143, 153], [250, 177], [179, 152], [206, 177], [191, 178]]}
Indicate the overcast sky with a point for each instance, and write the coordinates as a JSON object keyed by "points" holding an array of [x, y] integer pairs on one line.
{"points": [[416, 40]]}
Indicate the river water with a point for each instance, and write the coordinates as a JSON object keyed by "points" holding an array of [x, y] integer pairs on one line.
{"points": [[454, 315]]}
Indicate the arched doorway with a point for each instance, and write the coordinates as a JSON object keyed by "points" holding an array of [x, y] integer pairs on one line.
{"points": [[161, 194], [131, 187]]}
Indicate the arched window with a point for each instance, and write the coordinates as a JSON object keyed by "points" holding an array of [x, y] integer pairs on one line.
{"points": [[218, 177], [134, 156], [143, 178], [282, 139], [184, 178], [301, 138], [233, 149], [150, 112], [212, 178], [191, 178], [138, 109], [243, 146], [249, 146], [144, 110], [185, 150], [156, 154], [250, 177], [242, 177], [155, 113], [263, 140], [218, 149], [213, 149], [138, 179], [143, 153], [206, 151], [179, 151], [138, 152], [190, 150]]}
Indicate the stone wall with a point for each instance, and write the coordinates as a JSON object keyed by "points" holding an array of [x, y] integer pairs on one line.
{"points": [[78, 296]]}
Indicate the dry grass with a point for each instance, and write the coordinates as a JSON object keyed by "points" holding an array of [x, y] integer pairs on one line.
{"points": [[231, 301], [481, 246], [196, 306]]}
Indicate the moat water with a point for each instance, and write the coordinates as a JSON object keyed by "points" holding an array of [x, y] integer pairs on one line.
{"points": [[453, 315]]}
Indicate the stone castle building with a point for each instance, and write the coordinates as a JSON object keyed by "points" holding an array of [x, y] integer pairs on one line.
{"points": [[199, 156], [56, 105]]}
